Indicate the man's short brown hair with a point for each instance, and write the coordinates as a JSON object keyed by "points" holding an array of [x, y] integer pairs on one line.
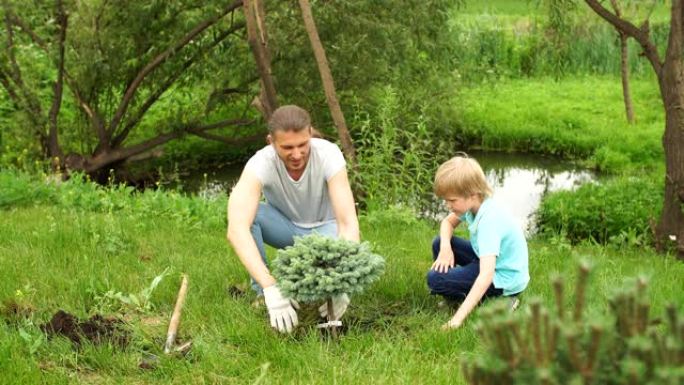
{"points": [[289, 118]]}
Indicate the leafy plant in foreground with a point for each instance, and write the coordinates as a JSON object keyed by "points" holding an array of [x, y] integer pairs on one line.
{"points": [[317, 268], [565, 347]]}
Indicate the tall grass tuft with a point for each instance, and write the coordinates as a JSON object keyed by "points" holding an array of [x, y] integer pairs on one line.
{"points": [[397, 157]]}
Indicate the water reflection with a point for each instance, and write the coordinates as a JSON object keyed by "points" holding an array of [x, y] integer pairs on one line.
{"points": [[519, 182]]}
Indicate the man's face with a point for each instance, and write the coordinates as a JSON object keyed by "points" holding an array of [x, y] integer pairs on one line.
{"points": [[293, 148]]}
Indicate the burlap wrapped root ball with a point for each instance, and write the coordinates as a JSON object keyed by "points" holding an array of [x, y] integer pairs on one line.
{"points": [[317, 268]]}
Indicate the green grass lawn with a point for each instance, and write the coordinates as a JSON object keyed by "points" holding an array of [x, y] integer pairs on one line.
{"points": [[524, 8], [578, 117], [59, 253]]}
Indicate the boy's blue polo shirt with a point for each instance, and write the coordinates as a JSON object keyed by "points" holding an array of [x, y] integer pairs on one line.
{"points": [[494, 231]]}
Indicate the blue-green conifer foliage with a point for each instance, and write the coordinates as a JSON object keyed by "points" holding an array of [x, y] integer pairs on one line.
{"points": [[317, 268]]}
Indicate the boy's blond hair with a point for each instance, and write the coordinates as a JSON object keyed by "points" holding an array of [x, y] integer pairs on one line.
{"points": [[461, 176]]}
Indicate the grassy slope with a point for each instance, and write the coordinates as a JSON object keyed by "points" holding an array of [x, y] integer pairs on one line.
{"points": [[58, 257], [575, 117]]}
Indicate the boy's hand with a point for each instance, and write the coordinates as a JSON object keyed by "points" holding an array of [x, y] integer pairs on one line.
{"points": [[444, 261], [452, 324]]}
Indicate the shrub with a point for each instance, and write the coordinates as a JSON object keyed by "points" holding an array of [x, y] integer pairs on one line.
{"points": [[563, 346], [397, 154], [318, 268], [603, 212], [21, 189]]}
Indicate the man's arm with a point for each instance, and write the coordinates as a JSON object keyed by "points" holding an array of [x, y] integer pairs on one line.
{"points": [[242, 208], [343, 205], [482, 282]]}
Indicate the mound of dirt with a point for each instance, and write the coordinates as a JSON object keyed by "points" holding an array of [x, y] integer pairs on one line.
{"points": [[97, 329]]}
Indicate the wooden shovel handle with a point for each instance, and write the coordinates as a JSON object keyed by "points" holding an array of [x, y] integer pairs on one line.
{"points": [[175, 317]]}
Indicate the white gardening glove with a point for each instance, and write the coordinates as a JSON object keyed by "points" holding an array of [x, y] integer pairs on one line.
{"points": [[340, 304], [283, 315]]}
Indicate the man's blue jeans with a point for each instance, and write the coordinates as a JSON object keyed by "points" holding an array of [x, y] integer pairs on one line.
{"points": [[274, 229], [458, 280]]}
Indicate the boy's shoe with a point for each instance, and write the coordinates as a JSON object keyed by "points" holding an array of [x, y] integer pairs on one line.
{"points": [[513, 303]]}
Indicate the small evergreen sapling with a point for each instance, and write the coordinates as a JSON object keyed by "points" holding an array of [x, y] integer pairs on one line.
{"points": [[548, 346], [318, 268]]}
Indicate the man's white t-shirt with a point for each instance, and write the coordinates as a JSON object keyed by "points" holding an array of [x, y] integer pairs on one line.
{"points": [[305, 202]]}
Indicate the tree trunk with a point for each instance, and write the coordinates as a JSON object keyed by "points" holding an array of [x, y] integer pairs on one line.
{"points": [[328, 83], [624, 67], [331, 317], [257, 38], [55, 150], [624, 71], [670, 228]]}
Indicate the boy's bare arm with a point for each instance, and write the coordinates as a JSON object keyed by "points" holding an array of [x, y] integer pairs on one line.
{"points": [[484, 279], [242, 208], [445, 259]]}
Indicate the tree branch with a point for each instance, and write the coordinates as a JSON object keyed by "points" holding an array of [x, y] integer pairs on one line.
{"points": [[115, 155], [268, 97], [134, 120], [328, 82], [641, 35], [7, 85], [202, 132], [122, 153], [94, 116], [53, 134], [35, 112], [158, 60], [229, 140]]}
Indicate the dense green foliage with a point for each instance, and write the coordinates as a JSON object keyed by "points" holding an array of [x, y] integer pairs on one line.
{"points": [[213, 78], [318, 268], [618, 211], [108, 45], [561, 345], [369, 44], [497, 40], [397, 157]]}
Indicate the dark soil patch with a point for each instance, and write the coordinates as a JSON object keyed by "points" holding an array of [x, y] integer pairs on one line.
{"points": [[97, 329], [236, 291]]}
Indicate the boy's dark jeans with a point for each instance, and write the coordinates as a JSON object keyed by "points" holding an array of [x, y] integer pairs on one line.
{"points": [[457, 282]]}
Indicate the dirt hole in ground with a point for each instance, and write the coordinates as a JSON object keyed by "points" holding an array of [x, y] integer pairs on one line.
{"points": [[96, 329]]}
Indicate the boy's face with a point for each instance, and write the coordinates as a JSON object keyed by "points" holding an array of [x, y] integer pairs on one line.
{"points": [[293, 148], [459, 204]]}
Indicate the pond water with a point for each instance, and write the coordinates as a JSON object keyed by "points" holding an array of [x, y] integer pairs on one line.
{"points": [[519, 180]]}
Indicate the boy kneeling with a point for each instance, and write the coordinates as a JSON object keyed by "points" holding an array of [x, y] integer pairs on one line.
{"points": [[494, 262]]}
